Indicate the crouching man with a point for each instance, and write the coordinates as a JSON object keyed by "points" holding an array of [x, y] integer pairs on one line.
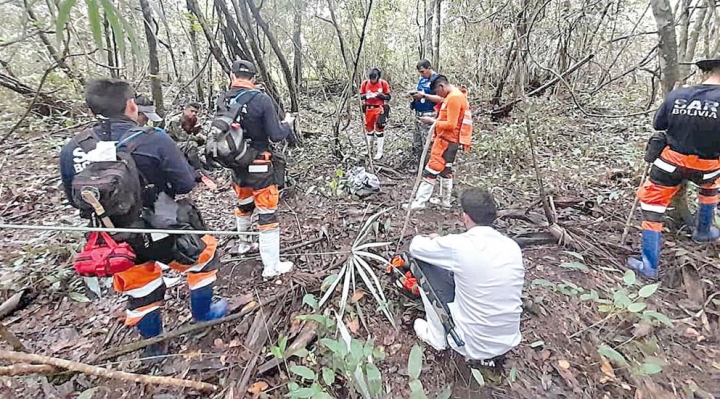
{"points": [[478, 276]]}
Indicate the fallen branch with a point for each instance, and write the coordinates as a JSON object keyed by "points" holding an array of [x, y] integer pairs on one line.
{"points": [[132, 347], [18, 300], [306, 334], [103, 372], [256, 338], [11, 339], [25, 369]]}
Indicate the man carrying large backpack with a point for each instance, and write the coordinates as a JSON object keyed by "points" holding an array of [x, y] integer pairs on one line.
{"points": [[124, 175], [245, 123]]}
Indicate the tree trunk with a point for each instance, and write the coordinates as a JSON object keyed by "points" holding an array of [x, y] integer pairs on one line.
{"points": [[155, 84], [110, 50], [297, 42], [231, 40], [243, 51], [438, 28], [169, 47], [348, 89], [679, 213], [684, 23], [244, 16], [278, 52], [703, 19], [343, 48], [429, 13], [668, 44], [196, 58], [715, 47], [194, 7]]}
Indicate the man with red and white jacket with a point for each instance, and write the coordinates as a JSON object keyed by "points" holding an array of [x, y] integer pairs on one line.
{"points": [[375, 92]]}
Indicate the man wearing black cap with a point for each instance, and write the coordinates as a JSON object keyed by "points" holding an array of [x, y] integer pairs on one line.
{"points": [[255, 184], [689, 150], [146, 111], [375, 92]]}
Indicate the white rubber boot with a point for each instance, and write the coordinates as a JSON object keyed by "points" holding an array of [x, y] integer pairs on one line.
{"points": [[423, 195], [245, 244], [380, 147], [368, 141], [444, 198], [270, 254]]}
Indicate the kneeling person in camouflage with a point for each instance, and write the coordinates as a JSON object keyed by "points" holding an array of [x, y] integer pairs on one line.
{"points": [[470, 284]]}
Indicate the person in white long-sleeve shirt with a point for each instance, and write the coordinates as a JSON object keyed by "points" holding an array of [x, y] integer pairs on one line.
{"points": [[484, 269]]}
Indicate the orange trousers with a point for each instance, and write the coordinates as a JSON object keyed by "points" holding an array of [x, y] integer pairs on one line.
{"points": [[145, 288], [666, 175]]}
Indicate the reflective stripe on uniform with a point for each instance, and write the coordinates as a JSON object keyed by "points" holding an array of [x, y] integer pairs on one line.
{"points": [[132, 317], [709, 176], [145, 290], [664, 165], [653, 208], [200, 280]]}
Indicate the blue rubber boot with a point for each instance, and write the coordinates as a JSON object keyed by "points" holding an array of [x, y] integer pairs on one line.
{"points": [[150, 326], [203, 308], [648, 266], [705, 231]]}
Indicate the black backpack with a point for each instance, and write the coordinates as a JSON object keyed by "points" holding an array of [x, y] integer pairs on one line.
{"points": [[226, 144], [117, 184]]}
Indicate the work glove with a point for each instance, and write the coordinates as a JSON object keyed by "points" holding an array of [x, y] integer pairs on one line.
{"points": [[370, 95]]}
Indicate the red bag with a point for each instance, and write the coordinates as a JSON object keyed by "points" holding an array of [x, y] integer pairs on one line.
{"points": [[105, 258]]}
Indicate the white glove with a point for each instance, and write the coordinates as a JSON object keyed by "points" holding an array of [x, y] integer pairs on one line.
{"points": [[370, 95], [289, 119]]}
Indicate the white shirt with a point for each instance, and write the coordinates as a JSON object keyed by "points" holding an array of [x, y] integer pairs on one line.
{"points": [[489, 277]]}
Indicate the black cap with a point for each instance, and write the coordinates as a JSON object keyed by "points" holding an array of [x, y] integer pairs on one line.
{"points": [[708, 64], [243, 66], [375, 73]]}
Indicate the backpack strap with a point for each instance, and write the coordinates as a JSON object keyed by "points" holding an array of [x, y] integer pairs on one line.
{"points": [[131, 138], [242, 93]]}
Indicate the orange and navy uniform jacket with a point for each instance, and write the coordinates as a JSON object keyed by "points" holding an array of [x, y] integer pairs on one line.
{"points": [[261, 124], [689, 116], [257, 188]]}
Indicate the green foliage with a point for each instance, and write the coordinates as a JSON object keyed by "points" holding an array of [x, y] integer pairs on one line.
{"points": [[121, 28], [310, 300], [343, 361], [415, 362], [612, 354]]}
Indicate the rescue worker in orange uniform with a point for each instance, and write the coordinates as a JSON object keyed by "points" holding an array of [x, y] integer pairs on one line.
{"points": [[375, 92], [689, 150], [255, 185], [453, 130]]}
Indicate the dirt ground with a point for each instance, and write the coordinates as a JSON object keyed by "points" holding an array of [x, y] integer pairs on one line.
{"points": [[590, 167]]}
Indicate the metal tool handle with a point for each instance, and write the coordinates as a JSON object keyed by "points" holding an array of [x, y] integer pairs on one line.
{"points": [[459, 342]]}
